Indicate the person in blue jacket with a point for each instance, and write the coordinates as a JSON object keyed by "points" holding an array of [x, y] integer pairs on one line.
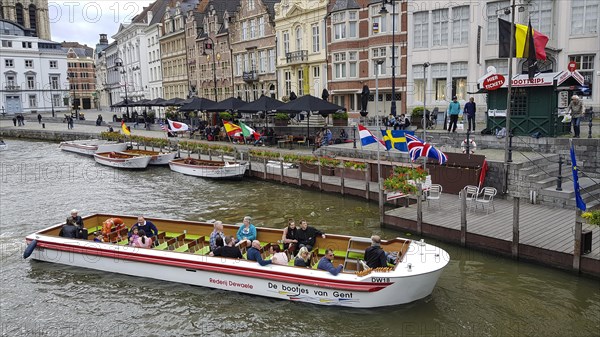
{"points": [[253, 254], [325, 263], [453, 112], [247, 231], [146, 226]]}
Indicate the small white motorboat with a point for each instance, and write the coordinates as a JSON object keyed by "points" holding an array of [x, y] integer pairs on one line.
{"points": [[157, 158], [122, 160], [208, 168], [91, 146]]}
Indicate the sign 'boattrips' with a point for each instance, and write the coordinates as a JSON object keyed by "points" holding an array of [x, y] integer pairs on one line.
{"points": [[493, 82]]}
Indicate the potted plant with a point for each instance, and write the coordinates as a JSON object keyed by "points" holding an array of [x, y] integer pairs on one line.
{"points": [[592, 217], [281, 119], [226, 116], [340, 119], [416, 118], [352, 170], [404, 180]]}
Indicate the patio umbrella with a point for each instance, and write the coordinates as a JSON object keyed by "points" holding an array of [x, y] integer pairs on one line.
{"points": [[310, 104], [231, 104], [197, 104], [141, 102], [122, 104], [264, 104], [155, 102], [173, 102]]}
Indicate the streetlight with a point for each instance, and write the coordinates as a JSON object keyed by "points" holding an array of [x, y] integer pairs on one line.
{"points": [[211, 46], [51, 97], [385, 11], [379, 185], [119, 63], [425, 66], [75, 105]]}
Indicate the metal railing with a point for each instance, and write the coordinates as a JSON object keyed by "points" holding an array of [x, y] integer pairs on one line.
{"points": [[296, 56]]}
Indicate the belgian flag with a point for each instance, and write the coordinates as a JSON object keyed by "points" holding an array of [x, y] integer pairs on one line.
{"points": [[527, 43]]}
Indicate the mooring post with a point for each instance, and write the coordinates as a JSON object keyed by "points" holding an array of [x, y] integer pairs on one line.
{"points": [[320, 176], [463, 217], [300, 174], [367, 182], [559, 178], [419, 209], [342, 178], [515, 240], [577, 247], [281, 166], [265, 166]]}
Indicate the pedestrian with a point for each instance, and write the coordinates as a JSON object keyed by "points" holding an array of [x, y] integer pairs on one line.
{"points": [[39, 118], [15, 121], [576, 110], [470, 112], [453, 112]]}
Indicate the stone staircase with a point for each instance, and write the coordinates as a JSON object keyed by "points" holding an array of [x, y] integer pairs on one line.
{"points": [[540, 176]]}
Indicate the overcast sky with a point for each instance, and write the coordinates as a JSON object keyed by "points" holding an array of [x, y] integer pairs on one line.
{"points": [[84, 21]]}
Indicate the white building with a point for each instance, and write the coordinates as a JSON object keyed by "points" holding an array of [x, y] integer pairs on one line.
{"points": [[133, 51], [33, 72], [460, 40], [152, 33]]}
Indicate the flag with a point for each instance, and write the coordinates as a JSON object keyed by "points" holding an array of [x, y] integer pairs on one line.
{"points": [[580, 203], [163, 126], [366, 137], [396, 139], [231, 128], [484, 169], [417, 148], [125, 128], [248, 131], [532, 67], [522, 42], [177, 126]]}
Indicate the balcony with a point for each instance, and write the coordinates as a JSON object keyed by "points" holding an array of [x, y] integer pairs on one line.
{"points": [[12, 87], [296, 56], [250, 76]]}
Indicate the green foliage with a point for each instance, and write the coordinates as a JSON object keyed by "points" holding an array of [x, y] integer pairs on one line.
{"points": [[355, 165], [307, 159], [282, 116], [340, 115], [399, 180], [226, 116], [329, 162], [417, 112], [265, 154], [593, 217]]}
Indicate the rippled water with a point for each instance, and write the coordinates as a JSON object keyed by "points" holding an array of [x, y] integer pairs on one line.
{"points": [[477, 295]]}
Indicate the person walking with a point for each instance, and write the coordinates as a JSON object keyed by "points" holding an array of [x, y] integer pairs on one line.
{"points": [[453, 112], [576, 110], [15, 121], [470, 112], [39, 117]]}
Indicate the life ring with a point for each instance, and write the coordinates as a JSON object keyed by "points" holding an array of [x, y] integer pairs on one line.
{"points": [[30, 248], [472, 146]]}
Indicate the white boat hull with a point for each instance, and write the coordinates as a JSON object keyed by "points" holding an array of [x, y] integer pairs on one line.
{"points": [[91, 146], [226, 171], [162, 159], [139, 162], [282, 282]]}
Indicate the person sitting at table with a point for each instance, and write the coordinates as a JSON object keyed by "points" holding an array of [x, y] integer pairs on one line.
{"points": [[343, 136], [404, 122]]}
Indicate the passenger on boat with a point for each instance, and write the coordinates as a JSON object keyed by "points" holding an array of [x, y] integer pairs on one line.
{"points": [[142, 241], [326, 263], [135, 234], [148, 227], [289, 237], [69, 230], [279, 257], [98, 236], [247, 231], [307, 235], [217, 232], [111, 225], [253, 254], [375, 255], [76, 218], [302, 260], [229, 250]]}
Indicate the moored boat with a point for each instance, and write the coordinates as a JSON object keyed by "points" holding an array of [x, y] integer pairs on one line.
{"points": [[156, 157], [3, 145], [181, 255], [122, 160], [208, 168], [91, 146]]}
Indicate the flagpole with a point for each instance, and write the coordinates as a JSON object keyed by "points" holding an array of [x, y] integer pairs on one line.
{"points": [[379, 185], [509, 94]]}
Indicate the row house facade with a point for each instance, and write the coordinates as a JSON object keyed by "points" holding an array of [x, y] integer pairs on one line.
{"points": [[301, 56], [133, 52], [152, 33], [101, 72], [360, 35], [254, 49], [460, 42], [112, 82], [81, 75]]}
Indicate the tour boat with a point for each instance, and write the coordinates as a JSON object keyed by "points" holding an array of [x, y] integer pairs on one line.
{"points": [[122, 160], [181, 255], [91, 146], [208, 168], [156, 157]]}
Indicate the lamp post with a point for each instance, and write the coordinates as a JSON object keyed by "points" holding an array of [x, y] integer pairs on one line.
{"points": [[75, 106], [385, 11], [51, 98], [211, 46], [379, 185], [425, 66], [119, 63]]}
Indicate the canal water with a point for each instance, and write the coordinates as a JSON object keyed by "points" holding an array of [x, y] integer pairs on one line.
{"points": [[477, 295]]}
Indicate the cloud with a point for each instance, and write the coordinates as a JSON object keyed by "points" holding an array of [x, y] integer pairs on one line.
{"points": [[83, 21]]}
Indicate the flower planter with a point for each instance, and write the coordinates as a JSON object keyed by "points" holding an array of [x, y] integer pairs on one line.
{"points": [[312, 168], [279, 122], [350, 173], [340, 122]]}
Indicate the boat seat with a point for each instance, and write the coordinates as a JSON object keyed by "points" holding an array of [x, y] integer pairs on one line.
{"points": [[123, 242], [203, 251], [182, 248], [336, 253]]}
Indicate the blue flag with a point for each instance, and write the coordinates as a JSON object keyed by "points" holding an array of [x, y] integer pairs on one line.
{"points": [[396, 139], [578, 199]]}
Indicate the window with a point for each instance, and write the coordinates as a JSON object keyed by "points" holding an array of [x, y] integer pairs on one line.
{"points": [[439, 31], [250, 5], [244, 30], [252, 61], [262, 68], [286, 42], [584, 17], [501, 66], [378, 20], [339, 25], [9, 63], [439, 73], [459, 80], [246, 62], [339, 64], [352, 24], [316, 43], [32, 101], [300, 82], [6, 44], [493, 13], [53, 64], [27, 45], [460, 25], [271, 60], [288, 82], [585, 66], [30, 82], [352, 65], [252, 29], [56, 99], [28, 63], [316, 72], [298, 38], [54, 83], [418, 83], [540, 13], [10, 80], [421, 30], [261, 27], [238, 65], [378, 54]]}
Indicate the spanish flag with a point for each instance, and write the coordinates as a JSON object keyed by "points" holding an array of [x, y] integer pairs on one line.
{"points": [[527, 43], [125, 128], [231, 128]]}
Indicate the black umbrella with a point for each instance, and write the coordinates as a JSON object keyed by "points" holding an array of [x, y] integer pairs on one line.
{"points": [[310, 104], [231, 104], [123, 103], [141, 102], [173, 102], [155, 102], [197, 104], [264, 104]]}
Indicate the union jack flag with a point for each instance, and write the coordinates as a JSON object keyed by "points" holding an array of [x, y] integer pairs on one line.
{"points": [[163, 126], [417, 148]]}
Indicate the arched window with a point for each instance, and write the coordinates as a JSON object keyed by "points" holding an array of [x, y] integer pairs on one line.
{"points": [[543, 66], [19, 13], [33, 17]]}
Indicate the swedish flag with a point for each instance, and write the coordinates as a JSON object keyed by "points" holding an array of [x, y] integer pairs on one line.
{"points": [[396, 139]]}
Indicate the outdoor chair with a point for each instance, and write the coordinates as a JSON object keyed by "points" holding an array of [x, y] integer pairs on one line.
{"points": [[301, 141], [487, 198], [434, 193], [472, 193]]}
